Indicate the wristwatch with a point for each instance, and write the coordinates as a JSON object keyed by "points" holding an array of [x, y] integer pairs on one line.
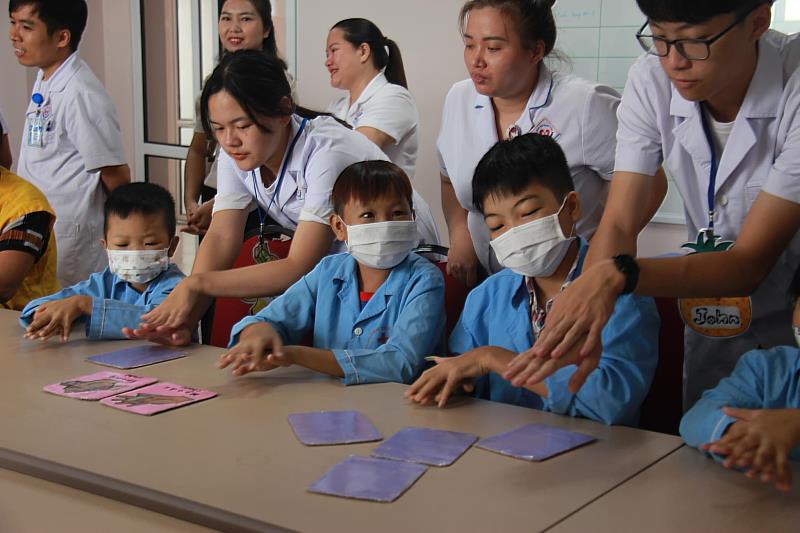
{"points": [[628, 267]]}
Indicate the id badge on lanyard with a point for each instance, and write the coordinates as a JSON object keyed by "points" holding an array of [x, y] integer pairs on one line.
{"points": [[717, 318], [37, 123], [261, 252]]}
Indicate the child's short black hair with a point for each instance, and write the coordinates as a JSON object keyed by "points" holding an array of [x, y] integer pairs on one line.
{"points": [[58, 15], [511, 166], [144, 199], [695, 11], [368, 180]]}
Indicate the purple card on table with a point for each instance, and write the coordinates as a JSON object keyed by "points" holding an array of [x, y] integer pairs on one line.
{"points": [[333, 427], [535, 442], [433, 447], [137, 356], [98, 386], [157, 398], [367, 478]]}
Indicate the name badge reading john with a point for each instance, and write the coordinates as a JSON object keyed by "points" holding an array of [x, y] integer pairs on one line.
{"points": [[717, 318]]}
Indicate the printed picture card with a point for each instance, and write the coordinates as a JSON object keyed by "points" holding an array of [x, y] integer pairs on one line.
{"points": [[98, 386], [157, 398]]}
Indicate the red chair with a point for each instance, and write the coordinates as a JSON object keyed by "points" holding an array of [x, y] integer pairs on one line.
{"points": [[228, 311], [455, 292], [662, 409]]}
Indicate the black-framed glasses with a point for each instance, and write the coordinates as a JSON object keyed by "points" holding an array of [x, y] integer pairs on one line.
{"points": [[692, 49]]}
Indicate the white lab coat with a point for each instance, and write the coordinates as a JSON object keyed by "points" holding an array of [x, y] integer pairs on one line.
{"points": [[323, 151], [657, 125], [81, 137], [578, 114], [389, 108]]}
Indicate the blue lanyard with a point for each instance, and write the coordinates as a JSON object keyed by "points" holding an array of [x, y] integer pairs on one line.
{"points": [[712, 175], [262, 215]]}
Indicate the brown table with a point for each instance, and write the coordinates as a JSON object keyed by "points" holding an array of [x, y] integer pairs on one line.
{"points": [[233, 463], [31, 504], [687, 491]]}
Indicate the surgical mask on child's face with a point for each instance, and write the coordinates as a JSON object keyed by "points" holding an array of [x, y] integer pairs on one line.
{"points": [[534, 249], [138, 266], [382, 245]]}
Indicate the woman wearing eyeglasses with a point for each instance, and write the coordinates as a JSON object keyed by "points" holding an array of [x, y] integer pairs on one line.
{"points": [[716, 102]]}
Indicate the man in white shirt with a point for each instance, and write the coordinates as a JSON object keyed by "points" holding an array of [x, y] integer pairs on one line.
{"points": [[716, 102], [72, 145]]}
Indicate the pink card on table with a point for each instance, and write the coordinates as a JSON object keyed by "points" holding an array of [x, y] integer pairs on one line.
{"points": [[157, 398], [98, 386]]}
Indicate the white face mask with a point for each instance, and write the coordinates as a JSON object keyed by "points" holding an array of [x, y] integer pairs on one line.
{"points": [[138, 266], [382, 245], [534, 249]]}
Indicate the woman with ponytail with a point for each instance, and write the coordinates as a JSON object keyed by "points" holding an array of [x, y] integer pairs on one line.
{"points": [[512, 92], [281, 160], [369, 67]]}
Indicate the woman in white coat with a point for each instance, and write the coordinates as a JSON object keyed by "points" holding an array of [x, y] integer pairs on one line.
{"points": [[369, 67], [283, 161], [510, 92]]}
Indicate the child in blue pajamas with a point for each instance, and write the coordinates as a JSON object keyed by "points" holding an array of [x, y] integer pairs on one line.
{"points": [[525, 192], [751, 419], [374, 312], [139, 240]]}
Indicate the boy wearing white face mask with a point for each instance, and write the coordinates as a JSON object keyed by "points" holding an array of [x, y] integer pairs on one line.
{"points": [[139, 240], [751, 420], [524, 190], [374, 312]]}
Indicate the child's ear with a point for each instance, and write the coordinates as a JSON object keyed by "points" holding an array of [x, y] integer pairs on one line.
{"points": [[338, 227], [104, 244], [573, 206], [173, 245]]}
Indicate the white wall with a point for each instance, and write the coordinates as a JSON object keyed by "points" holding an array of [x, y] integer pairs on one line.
{"points": [[432, 53], [105, 46]]}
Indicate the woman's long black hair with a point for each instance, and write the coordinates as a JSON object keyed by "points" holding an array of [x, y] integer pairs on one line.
{"points": [[257, 82], [385, 52]]}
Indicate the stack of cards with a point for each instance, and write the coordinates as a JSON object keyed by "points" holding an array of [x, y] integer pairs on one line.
{"points": [[535, 442], [432, 447], [367, 478], [333, 427], [143, 396], [137, 356]]}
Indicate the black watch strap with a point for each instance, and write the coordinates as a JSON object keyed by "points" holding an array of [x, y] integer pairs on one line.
{"points": [[627, 265]]}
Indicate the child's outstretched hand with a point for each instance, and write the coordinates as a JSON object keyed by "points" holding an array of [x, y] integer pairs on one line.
{"points": [[441, 381], [56, 317], [760, 441], [260, 348]]}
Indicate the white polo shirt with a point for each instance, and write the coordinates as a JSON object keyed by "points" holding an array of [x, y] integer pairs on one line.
{"points": [[323, 151], [389, 108], [82, 135], [657, 125], [578, 114]]}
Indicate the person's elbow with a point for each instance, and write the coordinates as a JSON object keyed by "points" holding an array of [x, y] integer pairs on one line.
{"points": [[114, 177], [8, 288]]}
